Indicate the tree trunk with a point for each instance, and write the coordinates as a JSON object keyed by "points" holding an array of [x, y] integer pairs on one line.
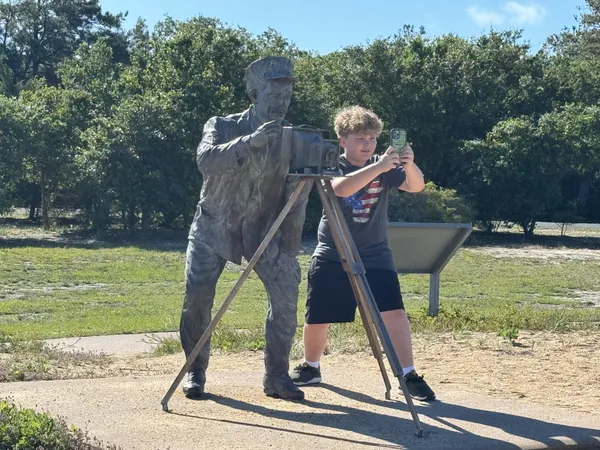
{"points": [[528, 227], [146, 213], [131, 217], [585, 186], [35, 202], [102, 216], [45, 217]]}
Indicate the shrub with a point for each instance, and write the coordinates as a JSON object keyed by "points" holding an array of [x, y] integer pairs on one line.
{"points": [[432, 205], [25, 429]]}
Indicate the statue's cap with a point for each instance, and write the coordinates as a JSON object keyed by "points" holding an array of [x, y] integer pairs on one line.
{"points": [[269, 68]]}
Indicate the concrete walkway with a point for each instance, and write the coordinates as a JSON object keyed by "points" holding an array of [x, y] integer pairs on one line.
{"points": [[348, 412], [112, 344]]}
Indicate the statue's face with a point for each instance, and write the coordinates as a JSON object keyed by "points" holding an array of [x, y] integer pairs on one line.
{"points": [[272, 99]]}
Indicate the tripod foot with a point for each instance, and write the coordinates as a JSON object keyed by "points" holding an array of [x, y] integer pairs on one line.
{"points": [[419, 433], [388, 395], [165, 407]]}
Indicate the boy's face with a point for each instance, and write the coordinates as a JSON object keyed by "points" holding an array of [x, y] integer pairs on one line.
{"points": [[359, 147]]}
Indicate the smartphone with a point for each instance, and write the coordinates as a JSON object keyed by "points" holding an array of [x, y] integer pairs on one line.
{"points": [[398, 138]]}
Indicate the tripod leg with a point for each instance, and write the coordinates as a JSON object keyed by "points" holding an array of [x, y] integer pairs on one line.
{"points": [[377, 353], [345, 244], [263, 245]]}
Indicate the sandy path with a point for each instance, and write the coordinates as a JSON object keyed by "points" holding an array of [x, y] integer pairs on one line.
{"points": [[544, 392]]}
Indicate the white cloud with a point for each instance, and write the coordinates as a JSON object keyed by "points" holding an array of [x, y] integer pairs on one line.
{"points": [[513, 12], [525, 14], [484, 17]]}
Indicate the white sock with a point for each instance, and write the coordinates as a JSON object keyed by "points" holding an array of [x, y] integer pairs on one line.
{"points": [[314, 364], [408, 369]]}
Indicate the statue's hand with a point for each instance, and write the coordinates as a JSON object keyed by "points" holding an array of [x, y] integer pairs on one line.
{"points": [[266, 132]]}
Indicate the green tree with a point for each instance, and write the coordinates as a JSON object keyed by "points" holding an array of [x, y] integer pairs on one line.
{"points": [[154, 177], [7, 86], [575, 68], [582, 40], [577, 129], [516, 177], [94, 72], [13, 133], [53, 119], [36, 35]]}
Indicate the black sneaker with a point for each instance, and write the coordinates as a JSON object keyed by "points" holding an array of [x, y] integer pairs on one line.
{"points": [[305, 374], [417, 388]]}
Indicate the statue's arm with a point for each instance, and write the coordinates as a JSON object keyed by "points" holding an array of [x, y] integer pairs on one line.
{"points": [[215, 154]]}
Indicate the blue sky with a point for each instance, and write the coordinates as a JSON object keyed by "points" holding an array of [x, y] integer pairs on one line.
{"points": [[328, 25]]}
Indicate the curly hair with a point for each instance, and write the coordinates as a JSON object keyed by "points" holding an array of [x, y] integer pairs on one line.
{"points": [[357, 120]]}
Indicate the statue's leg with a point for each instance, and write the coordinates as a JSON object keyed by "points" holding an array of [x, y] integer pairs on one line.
{"points": [[202, 270], [281, 275]]}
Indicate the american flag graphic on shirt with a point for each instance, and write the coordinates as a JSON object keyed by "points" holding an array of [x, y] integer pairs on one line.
{"points": [[363, 202]]}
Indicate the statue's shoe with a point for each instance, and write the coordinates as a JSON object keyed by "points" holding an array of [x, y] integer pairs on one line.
{"points": [[281, 386]]}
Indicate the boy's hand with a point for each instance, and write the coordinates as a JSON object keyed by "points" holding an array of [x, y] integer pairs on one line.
{"points": [[407, 156], [390, 160]]}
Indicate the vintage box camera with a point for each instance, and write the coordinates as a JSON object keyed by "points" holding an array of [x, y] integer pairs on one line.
{"points": [[311, 153]]}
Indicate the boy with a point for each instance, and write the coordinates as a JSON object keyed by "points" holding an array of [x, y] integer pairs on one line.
{"points": [[363, 198]]}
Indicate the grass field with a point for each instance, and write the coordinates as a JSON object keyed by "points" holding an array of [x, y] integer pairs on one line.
{"points": [[53, 289]]}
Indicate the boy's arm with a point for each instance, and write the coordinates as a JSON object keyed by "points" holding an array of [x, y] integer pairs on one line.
{"points": [[354, 182], [414, 177]]}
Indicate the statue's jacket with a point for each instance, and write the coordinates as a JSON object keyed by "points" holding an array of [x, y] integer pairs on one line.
{"points": [[244, 189]]}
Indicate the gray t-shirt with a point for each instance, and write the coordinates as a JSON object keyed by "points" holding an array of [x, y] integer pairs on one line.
{"points": [[366, 215]]}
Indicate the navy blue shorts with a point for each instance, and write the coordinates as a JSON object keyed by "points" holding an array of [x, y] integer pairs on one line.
{"points": [[330, 297]]}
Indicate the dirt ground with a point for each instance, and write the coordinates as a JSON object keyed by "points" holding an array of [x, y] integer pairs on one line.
{"points": [[540, 253], [560, 370]]}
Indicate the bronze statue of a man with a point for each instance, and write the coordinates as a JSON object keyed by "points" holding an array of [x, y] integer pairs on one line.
{"points": [[245, 166]]}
